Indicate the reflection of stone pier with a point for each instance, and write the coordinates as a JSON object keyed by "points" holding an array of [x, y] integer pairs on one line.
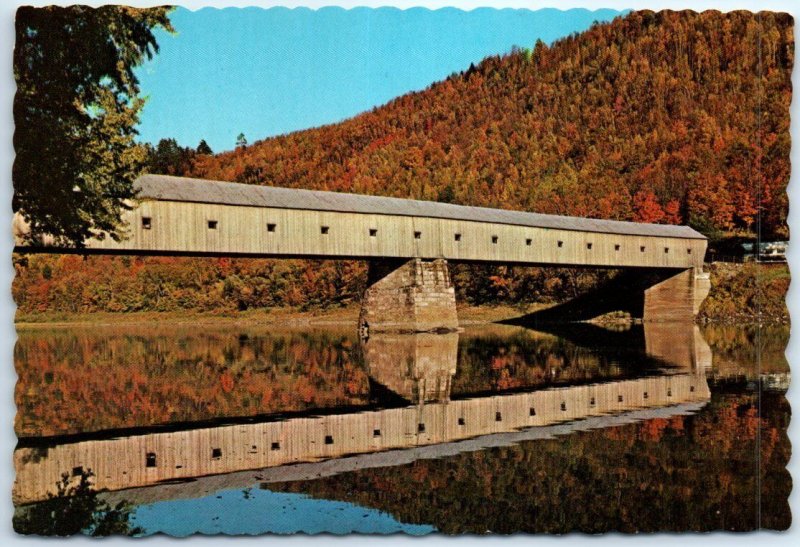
{"points": [[418, 368]]}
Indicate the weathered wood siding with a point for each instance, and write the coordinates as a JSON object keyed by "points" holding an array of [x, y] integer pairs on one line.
{"points": [[183, 227]]}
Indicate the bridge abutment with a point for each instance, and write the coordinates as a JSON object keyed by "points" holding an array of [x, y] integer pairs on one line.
{"points": [[408, 296], [676, 298]]}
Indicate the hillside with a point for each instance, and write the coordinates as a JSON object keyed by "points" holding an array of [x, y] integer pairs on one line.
{"points": [[656, 117], [659, 117]]}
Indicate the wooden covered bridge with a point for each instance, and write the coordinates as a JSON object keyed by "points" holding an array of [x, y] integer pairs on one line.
{"points": [[407, 242]]}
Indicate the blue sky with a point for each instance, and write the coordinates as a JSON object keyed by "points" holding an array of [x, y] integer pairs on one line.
{"points": [[264, 72]]}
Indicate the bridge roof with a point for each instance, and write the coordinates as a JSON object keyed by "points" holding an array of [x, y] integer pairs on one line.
{"points": [[169, 188]]}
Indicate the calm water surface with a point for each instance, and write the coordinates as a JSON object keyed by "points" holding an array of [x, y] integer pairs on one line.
{"points": [[140, 430]]}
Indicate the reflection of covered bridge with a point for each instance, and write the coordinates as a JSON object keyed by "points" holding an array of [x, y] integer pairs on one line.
{"points": [[434, 426], [142, 460], [407, 242]]}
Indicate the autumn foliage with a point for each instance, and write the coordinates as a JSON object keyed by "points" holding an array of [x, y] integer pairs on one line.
{"points": [[79, 381], [50, 286]]}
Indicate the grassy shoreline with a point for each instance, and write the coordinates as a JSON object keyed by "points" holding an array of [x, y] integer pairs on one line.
{"points": [[289, 317]]}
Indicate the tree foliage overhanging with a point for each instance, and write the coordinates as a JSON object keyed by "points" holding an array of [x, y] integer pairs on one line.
{"points": [[674, 117], [75, 110]]}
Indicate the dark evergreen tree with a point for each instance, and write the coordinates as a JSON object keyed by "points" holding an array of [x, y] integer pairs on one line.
{"points": [[169, 158], [204, 148]]}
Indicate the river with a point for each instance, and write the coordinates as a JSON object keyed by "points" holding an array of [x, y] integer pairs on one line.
{"points": [[265, 429]]}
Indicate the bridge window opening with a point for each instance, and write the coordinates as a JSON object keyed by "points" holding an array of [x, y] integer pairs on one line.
{"points": [[373, 232], [271, 227], [644, 395], [495, 239], [458, 237], [461, 421], [691, 389], [212, 224], [616, 247], [376, 432], [498, 417], [688, 251], [529, 242], [560, 243], [150, 459], [147, 223], [532, 411], [421, 428], [666, 249], [619, 398], [589, 246], [216, 453], [328, 439], [324, 230], [77, 471], [641, 249], [669, 392], [591, 402], [417, 235], [275, 446], [563, 407]]}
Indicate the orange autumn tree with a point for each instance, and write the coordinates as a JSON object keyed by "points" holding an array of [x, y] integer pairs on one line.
{"points": [[646, 207]]}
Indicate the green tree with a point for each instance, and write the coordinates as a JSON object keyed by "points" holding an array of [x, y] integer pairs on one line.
{"points": [[241, 141], [75, 113]]}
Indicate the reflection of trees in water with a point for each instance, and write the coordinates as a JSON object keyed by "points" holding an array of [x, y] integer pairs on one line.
{"points": [[508, 361], [75, 509], [748, 349], [149, 376], [679, 473]]}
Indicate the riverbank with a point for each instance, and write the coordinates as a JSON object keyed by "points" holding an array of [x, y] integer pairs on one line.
{"points": [[747, 293], [740, 293], [286, 317]]}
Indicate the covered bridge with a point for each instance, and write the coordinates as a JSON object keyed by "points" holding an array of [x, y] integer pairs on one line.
{"points": [[408, 242]]}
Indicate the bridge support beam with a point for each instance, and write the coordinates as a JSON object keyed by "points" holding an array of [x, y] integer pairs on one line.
{"points": [[676, 298], [408, 296]]}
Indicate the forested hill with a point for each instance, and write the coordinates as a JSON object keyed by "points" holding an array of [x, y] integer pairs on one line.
{"points": [[677, 117]]}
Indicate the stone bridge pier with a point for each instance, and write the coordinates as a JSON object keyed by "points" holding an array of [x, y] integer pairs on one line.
{"points": [[413, 295]]}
